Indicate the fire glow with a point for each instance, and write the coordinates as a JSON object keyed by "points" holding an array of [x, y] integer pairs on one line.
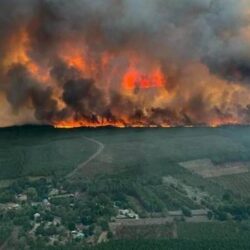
{"points": [[133, 79], [139, 76], [86, 64]]}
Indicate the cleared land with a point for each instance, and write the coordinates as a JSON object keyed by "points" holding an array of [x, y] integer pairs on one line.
{"points": [[206, 168], [144, 229]]}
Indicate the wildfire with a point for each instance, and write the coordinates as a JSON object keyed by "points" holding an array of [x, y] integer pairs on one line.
{"points": [[77, 124], [124, 122], [134, 78], [77, 62], [74, 57], [87, 124], [20, 55], [19, 42], [215, 123], [107, 83]]}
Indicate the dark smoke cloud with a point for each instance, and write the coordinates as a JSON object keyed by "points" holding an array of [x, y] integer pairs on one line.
{"points": [[61, 73], [82, 96], [201, 45], [22, 90]]}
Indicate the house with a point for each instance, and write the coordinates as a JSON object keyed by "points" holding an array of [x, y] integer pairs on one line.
{"points": [[57, 221], [53, 192], [127, 213], [22, 197], [46, 203], [37, 216], [79, 235]]}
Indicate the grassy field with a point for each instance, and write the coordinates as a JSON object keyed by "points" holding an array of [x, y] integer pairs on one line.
{"points": [[43, 150]]}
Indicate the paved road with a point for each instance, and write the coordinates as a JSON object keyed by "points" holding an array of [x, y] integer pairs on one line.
{"points": [[91, 158]]}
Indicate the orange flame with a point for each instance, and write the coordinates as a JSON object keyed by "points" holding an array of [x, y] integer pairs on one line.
{"points": [[116, 124], [19, 43], [133, 78], [223, 121], [88, 124]]}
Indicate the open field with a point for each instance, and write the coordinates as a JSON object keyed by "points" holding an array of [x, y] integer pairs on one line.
{"points": [[38, 150], [206, 168], [144, 229]]}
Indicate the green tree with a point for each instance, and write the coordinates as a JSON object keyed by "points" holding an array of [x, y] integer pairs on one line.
{"points": [[32, 194]]}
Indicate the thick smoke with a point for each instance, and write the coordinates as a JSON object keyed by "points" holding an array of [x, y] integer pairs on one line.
{"points": [[66, 60], [22, 90]]}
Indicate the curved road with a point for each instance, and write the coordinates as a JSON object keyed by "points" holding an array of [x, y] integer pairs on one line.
{"points": [[92, 157]]}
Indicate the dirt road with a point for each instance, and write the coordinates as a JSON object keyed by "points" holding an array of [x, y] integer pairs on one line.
{"points": [[91, 158]]}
